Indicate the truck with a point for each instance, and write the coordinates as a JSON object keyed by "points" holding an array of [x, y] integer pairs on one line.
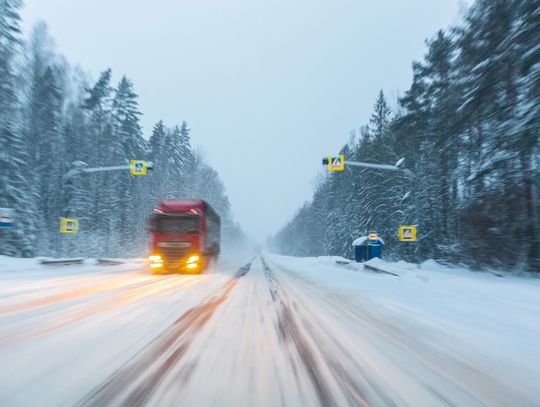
{"points": [[185, 236]]}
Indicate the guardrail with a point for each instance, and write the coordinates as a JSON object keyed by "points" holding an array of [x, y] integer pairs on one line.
{"points": [[379, 270], [110, 262], [61, 262]]}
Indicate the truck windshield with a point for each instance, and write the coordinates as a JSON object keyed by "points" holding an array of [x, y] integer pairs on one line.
{"points": [[178, 224]]}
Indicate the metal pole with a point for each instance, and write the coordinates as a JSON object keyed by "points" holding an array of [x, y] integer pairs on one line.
{"points": [[371, 165], [101, 169]]}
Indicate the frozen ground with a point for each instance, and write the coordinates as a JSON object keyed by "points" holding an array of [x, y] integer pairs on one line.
{"points": [[267, 330]]}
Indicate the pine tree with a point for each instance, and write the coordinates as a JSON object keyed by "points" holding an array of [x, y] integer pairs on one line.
{"points": [[380, 119], [469, 129], [39, 57], [49, 161], [185, 155], [98, 103], [442, 132], [525, 133], [14, 190], [51, 117], [126, 144], [158, 155], [78, 193]]}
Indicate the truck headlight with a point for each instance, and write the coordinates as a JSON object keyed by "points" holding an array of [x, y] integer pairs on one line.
{"points": [[193, 259]]}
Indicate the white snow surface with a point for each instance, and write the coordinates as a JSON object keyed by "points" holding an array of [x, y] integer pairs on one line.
{"points": [[285, 331], [362, 239]]}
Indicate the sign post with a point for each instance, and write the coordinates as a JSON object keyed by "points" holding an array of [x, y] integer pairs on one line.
{"points": [[408, 234]]}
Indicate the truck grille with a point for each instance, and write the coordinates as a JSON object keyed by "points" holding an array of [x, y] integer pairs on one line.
{"points": [[172, 253], [174, 250]]}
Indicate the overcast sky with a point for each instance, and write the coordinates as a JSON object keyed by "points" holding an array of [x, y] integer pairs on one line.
{"points": [[268, 87]]}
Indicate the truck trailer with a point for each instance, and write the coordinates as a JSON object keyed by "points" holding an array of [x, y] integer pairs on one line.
{"points": [[186, 236]]}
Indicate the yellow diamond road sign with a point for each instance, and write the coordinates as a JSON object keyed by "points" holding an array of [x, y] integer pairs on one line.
{"points": [[336, 163], [407, 233], [69, 225], [138, 167]]}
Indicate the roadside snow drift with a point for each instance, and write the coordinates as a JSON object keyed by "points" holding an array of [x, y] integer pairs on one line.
{"points": [[267, 330]]}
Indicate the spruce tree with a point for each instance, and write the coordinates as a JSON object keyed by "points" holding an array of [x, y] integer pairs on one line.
{"points": [[98, 105], [49, 160], [14, 189], [127, 144]]}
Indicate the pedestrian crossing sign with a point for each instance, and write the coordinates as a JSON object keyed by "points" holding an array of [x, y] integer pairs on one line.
{"points": [[138, 167], [69, 226], [336, 163], [407, 233]]}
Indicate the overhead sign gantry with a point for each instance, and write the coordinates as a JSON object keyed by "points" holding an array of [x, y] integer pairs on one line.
{"points": [[338, 162], [136, 167]]}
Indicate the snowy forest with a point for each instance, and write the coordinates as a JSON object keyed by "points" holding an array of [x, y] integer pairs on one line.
{"points": [[468, 128], [51, 115]]}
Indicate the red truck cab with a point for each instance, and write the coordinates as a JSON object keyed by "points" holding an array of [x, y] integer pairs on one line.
{"points": [[185, 236]]}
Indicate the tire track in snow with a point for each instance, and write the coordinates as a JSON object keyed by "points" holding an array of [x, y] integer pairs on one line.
{"points": [[290, 330], [118, 282], [107, 301], [450, 378], [134, 383]]}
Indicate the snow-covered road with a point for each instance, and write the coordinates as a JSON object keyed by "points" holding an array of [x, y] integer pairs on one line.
{"points": [[267, 330]]}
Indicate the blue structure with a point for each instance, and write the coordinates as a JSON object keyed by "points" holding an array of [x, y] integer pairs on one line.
{"points": [[7, 218], [366, 249]]}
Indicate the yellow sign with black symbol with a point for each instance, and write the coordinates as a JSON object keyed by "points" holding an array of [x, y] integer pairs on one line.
{"points": [[139, 167], [69, 226], [336, 163], [407, 233]]}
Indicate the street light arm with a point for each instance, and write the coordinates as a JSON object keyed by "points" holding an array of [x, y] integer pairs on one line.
{"points": [[387, 167], [371, 165], [102, 169], [82, 168], [70, 174], [149, 165], [408, 173]]}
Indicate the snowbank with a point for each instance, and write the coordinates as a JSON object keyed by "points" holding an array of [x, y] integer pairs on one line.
{"points": [[491, 315]]}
